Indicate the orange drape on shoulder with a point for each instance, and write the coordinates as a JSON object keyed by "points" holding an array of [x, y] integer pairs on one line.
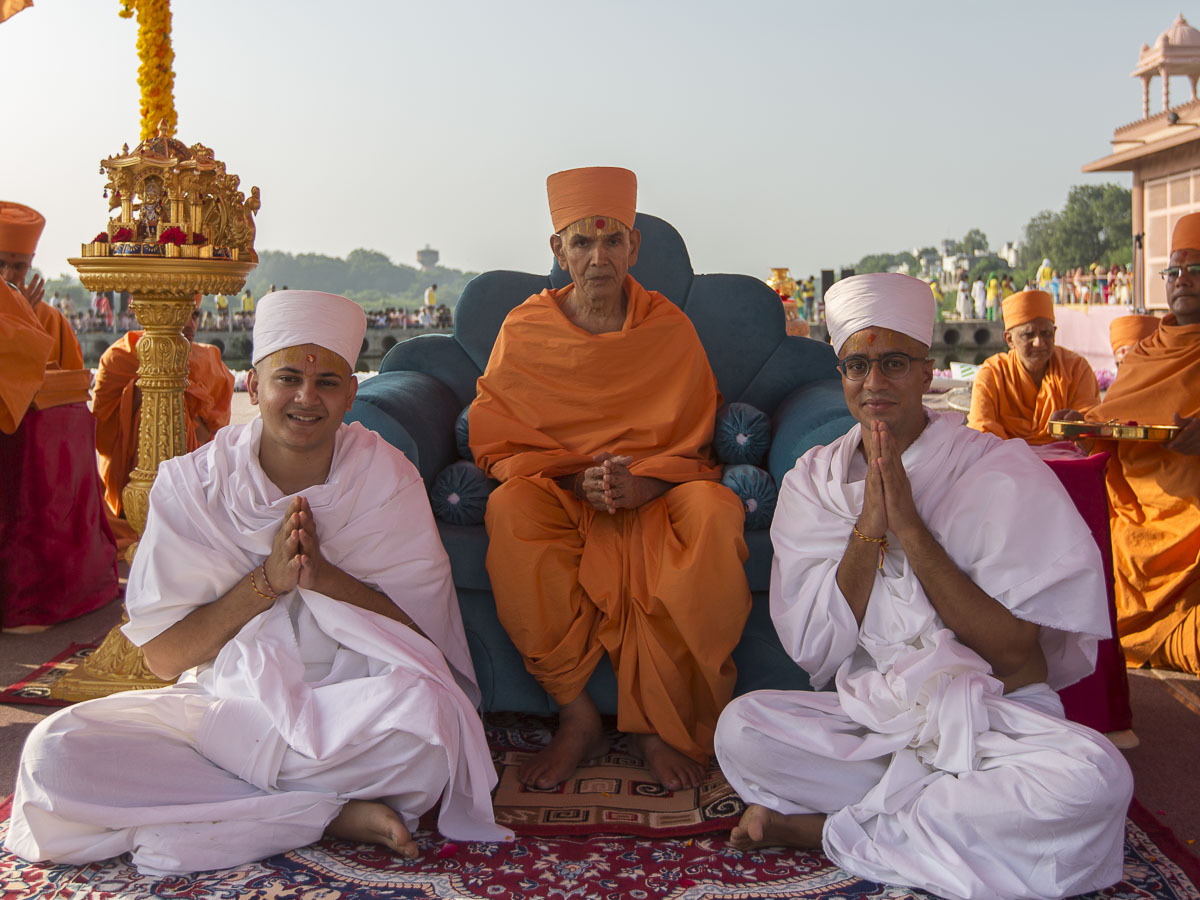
{"points": [[66, 351], [660, 588], [1154, 493], [1006, 402], [554, 395], [118, 409], [24, 349]]}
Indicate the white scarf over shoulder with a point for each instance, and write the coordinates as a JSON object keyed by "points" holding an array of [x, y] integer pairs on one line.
{"points": [[1003, 518], [313, 673]]}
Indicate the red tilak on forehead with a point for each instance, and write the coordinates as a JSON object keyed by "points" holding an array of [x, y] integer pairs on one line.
{"points": [[599, 224], [871, 338]]}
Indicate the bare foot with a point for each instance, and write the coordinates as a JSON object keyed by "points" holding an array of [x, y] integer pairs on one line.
{"points": [[371, 822], [580, 737], [762, 827], [670, 768]]}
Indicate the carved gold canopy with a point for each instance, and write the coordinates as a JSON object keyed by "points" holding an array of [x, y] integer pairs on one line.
{"points": [[174, 201]]}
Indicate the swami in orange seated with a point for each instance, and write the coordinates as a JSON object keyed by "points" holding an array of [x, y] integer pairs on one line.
{"points": [[1125, 331], [117, 405], [1154, 488], [611, 532], [57, 555], [1016, 392]]}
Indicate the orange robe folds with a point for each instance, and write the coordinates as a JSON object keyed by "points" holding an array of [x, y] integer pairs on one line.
{"points": [[118, 410], [65, 351], [1154, 493], [24, 349], [660, 588], [1006, 402]]}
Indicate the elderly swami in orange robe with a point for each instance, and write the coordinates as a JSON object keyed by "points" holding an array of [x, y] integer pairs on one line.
{"points": [[20, 229], [117, 405], [611, 532], [1016, 392], [1154, 488], [57, 555]]}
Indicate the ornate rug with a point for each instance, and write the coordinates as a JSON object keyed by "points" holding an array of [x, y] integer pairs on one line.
{"points": [[610, 795], [35, 689], [612, 868]]}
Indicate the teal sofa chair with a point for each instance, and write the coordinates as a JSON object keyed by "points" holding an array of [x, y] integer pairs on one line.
{"points": [[425, 382]]}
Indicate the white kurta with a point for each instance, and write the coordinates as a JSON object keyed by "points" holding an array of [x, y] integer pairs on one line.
{"points": [[930, 776], [313, 703]]}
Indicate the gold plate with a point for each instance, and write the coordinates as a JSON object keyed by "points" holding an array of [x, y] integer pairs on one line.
{"points": [[1113, 431]]}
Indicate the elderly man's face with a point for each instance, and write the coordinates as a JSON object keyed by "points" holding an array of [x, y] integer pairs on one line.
{"points": [[598, 262], [14, 267], [1034, 343], [880, 397], [1183, 293]]}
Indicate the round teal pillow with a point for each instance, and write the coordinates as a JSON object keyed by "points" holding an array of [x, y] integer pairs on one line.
{"points": [[460, 492], [756, 489], [462, 434], [741, 435]]}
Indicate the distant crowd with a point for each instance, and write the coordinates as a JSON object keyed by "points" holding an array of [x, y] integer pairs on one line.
{"points": [[111, 313]]}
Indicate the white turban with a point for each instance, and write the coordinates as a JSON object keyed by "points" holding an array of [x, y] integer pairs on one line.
{"points": [[285, 319], [886, 300]]}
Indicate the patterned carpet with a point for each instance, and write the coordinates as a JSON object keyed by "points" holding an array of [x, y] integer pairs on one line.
{"points": [[608, 833], [612, 868], [35, 689]]}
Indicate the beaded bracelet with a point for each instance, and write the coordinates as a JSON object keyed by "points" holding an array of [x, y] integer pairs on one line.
{"points": [[271, 596], [881, 541]]}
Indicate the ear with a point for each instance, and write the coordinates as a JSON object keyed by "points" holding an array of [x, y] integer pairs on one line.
{"points": [[1008, 339], [635, 244], [927, 374], [252, 386], [556, 247], [353, 393]]}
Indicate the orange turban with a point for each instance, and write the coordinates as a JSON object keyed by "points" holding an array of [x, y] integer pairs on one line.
{"points": [[1126, 330], [1025, 306], [20, 228], [595, 191], [1186, 235]]}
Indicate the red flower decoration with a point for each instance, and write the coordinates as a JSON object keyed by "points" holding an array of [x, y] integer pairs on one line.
{"points": [[101, 238], [198, 239], [123, 234], [173, 235]]}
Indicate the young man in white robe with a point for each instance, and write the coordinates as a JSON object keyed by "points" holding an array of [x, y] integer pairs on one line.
{"points": [[292, 576], [943, 580]]}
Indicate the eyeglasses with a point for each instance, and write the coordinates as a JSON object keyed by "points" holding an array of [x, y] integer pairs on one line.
{"points": [[1170, 273], [1025, 335], [893, 365]]}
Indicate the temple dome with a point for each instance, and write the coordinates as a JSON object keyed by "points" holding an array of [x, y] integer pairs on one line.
{"points": [[1179, 34]]}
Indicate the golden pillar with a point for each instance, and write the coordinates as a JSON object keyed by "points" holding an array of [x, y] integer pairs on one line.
{"points": [[150, 256]]}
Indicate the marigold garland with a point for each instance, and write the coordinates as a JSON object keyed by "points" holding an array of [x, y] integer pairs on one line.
{"points": [[155, 75]]}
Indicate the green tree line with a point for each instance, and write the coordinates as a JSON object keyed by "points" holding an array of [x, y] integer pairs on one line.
{"points": [[1094, 226]]}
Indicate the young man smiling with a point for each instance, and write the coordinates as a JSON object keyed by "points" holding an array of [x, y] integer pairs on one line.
{"points": [[944, 581], [292, 576]]}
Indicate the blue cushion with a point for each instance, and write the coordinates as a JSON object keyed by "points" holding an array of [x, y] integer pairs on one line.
{"points": [[758, 493], [459, 493], [462, 435], [742, 434]]}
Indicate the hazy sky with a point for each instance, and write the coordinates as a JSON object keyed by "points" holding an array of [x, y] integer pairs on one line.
{"points": [[769, 133]]}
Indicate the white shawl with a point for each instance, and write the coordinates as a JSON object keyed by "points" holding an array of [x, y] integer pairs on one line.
{"points": [[313, 673]]}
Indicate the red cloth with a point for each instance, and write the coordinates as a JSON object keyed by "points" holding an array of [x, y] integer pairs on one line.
{"points": [[1101, 700], [58, 559]]}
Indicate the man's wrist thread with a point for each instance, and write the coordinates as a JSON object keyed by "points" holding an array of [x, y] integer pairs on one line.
{"points": [[273, 595], [881, 541]]}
